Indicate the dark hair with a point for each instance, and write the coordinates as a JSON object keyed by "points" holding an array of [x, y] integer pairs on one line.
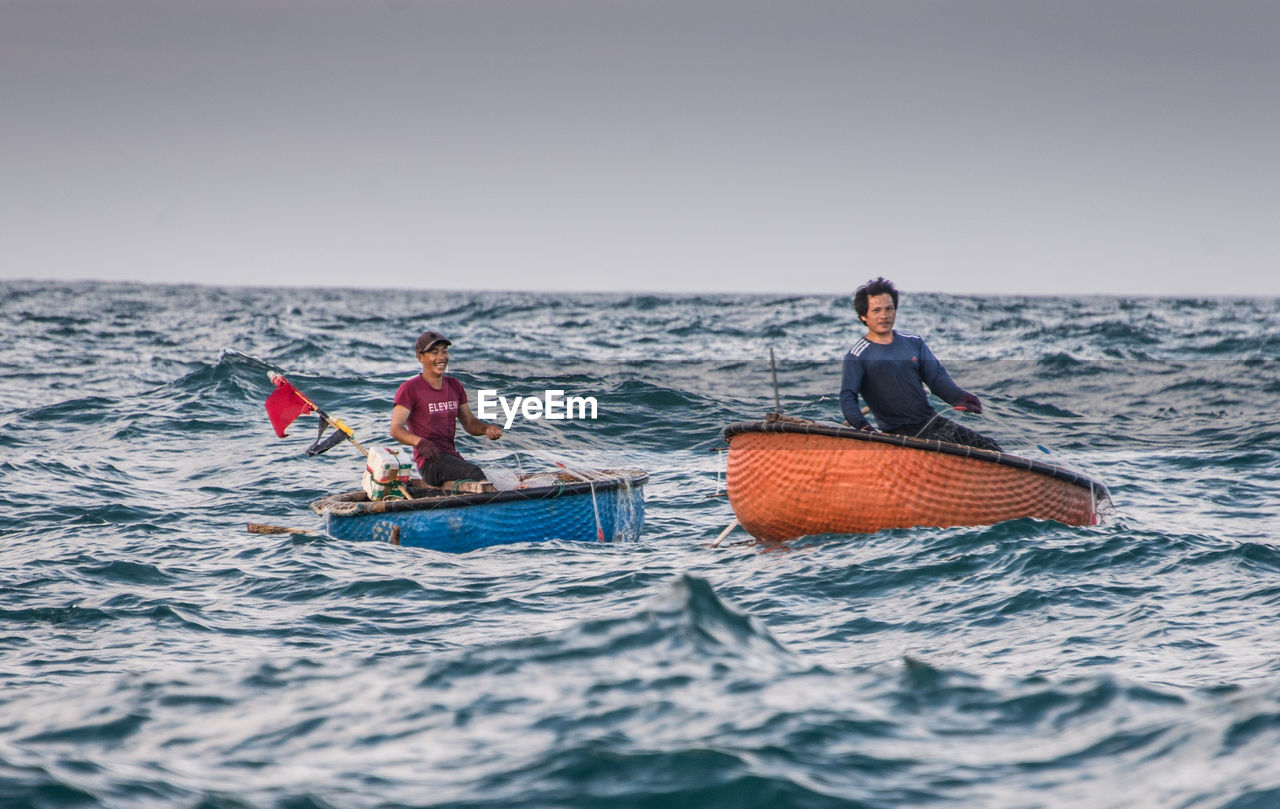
{"points": [[879, 286]]}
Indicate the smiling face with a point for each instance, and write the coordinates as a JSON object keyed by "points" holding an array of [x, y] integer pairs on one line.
{"points": [[880, 316], [435, 361]]}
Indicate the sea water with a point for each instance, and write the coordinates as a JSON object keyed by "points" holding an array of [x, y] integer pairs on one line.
{"points": [[154, 653]]}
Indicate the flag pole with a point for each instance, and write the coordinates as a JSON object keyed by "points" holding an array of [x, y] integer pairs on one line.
{"points": [[288, 415], [337, 424]]}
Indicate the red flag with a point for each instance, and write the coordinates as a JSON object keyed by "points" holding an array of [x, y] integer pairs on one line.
{"points": [[285, 404]]}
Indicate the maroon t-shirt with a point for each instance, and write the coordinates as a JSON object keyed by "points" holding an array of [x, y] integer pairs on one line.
{"points": [[432, 413]]}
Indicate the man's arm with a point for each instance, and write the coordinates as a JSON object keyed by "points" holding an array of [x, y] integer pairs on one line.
{"points": [[936, 377], [475, 426], [850, 384], [941, 383], [399, 417]]}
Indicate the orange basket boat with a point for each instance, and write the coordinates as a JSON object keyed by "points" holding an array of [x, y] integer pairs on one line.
{"points": [[789, 480]]}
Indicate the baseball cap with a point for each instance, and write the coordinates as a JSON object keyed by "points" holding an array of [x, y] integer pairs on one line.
{"points": [[427, 339]]}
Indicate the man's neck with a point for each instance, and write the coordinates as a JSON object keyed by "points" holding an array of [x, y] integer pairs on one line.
{"points": [[882, 339]]}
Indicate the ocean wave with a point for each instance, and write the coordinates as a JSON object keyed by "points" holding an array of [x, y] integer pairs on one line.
{"points": [[157, 653]]}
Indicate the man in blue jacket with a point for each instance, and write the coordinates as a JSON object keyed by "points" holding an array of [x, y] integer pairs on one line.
{"points": [[888, 369]]}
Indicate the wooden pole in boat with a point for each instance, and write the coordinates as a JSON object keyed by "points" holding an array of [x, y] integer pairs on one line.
{"points": [[777, 400], [727, 529], [259, 528]]}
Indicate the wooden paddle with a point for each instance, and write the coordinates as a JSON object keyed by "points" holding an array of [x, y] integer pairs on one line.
{"points": [[260, 528]]}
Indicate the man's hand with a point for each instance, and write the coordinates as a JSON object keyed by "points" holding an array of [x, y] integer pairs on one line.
{"points": [[969, 404], [493, 432], [427, 451]]}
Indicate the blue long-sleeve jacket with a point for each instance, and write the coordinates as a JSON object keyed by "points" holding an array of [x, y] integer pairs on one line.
{"points": [[889, 377]]}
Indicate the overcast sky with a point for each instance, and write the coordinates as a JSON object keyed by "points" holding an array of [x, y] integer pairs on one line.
{"points": [[1120, 146]]}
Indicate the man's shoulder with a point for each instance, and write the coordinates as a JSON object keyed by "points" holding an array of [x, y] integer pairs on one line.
{"points": [[910, 340], [860, 347], [408, 387], [408, 383]]}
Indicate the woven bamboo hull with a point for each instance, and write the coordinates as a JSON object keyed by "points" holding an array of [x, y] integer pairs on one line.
{"points": [[607, 510], [784, 485]]}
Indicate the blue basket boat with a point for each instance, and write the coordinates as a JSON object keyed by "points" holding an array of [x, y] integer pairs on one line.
{"points": [[609, 508]]}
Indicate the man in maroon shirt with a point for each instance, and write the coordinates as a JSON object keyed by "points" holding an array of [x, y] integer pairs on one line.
{"points": [[426, 408]]}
